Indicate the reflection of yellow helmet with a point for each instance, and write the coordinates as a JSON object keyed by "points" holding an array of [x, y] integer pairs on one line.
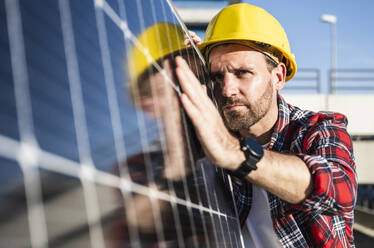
{"points": [[160, 39], [250, 23]]}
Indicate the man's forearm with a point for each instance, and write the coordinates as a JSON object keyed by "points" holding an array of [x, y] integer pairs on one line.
{"points": [[283, 175]]}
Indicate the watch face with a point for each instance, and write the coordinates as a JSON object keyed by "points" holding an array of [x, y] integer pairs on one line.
{"points": [[254, 147]]}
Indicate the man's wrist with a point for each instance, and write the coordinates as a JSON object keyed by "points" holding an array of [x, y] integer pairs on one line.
{"points": [[238, 159], [252, 152]]}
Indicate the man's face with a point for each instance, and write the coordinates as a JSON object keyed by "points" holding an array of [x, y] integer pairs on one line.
{"points": [[242, 85]]}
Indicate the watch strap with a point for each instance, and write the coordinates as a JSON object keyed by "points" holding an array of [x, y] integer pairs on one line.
{"points": [[249, 164], [245, 168]]}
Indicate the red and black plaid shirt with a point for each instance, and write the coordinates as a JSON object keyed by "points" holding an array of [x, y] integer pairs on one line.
{"points": [[325, 218]]}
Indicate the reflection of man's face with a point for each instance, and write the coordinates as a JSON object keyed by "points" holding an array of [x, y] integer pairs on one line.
{"points": [[154, 102], [242, 85], [156, 92]]}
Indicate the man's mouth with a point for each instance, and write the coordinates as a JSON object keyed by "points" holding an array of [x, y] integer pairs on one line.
{"points": [[232, 107]]}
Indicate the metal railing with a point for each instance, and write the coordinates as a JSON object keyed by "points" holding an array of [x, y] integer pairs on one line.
{"points": [[345, 80], [358, 80], [304, 77]]}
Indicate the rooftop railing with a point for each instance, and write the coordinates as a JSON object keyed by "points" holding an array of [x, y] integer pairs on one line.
{"points": [[339, 81], [306, 80], [348, 80]]}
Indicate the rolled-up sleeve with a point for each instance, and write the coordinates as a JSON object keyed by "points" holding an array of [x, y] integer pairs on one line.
{"points": [[328, 153]]}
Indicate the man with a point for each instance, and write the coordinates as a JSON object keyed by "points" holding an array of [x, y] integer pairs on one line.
{"points": [[293, 170]]}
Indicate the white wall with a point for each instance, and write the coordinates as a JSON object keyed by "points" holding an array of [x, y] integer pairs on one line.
{"points": [[364, 151], [358, 108]]}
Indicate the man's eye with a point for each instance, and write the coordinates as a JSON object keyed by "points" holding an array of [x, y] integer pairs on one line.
{"points": [[241, 72], [217, 78]]}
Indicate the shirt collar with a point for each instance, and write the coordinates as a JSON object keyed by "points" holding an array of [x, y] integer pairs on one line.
{"points": [[281, 126]]}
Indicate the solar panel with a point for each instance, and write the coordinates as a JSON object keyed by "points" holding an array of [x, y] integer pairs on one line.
{"points": [[95, 150]]}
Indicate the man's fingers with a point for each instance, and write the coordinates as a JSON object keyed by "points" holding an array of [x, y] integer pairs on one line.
{"points": [[195, 38], [187, 41], [189, 83], [191, 110], [167, 67], [186, 72], [192, 33]]}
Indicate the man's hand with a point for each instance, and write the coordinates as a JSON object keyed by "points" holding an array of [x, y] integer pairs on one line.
{"points": [[196, 39], [175, 157], [220, 146]]}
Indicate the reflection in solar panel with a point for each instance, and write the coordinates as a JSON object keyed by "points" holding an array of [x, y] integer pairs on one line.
{"points": [[95, 150]]}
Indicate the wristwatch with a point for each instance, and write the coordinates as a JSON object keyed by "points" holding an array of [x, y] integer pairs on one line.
{"points": [[253, 152]]}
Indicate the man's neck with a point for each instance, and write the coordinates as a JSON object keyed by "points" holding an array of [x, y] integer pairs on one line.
{"points": [[263, 130]]}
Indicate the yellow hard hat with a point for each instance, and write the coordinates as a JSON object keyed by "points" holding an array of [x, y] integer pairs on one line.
{"points": [[245, 22], [160, 40]]}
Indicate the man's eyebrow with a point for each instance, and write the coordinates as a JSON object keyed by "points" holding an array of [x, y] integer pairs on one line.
{"points": [[239, 68], [215, 73], [244, 67]]}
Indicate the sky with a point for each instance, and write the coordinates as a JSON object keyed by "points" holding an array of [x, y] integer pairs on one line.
{"points": [[309, 37]]}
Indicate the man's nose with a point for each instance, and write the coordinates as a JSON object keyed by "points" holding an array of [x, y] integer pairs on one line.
{"points": [[229, 86]]}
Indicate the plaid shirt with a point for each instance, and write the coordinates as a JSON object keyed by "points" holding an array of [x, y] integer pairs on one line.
{"points": [[325, 218]]}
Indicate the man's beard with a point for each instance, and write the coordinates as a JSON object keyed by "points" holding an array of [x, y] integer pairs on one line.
{"points": [[244, 118]]}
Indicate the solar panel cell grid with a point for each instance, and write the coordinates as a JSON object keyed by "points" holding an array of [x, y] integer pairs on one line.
{"points": [[95, 150]]}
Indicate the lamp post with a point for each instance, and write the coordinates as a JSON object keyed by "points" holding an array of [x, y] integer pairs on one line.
{"points": [[332, 20]]}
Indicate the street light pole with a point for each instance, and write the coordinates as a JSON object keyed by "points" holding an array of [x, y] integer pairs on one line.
{"points": [[331, 19], [334, 62]]}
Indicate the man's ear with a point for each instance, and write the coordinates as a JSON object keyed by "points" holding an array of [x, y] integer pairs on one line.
{"points": [[279, 76]]}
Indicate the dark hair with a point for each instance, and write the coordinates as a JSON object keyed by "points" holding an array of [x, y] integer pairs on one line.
{"points": [[270, 63]]}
